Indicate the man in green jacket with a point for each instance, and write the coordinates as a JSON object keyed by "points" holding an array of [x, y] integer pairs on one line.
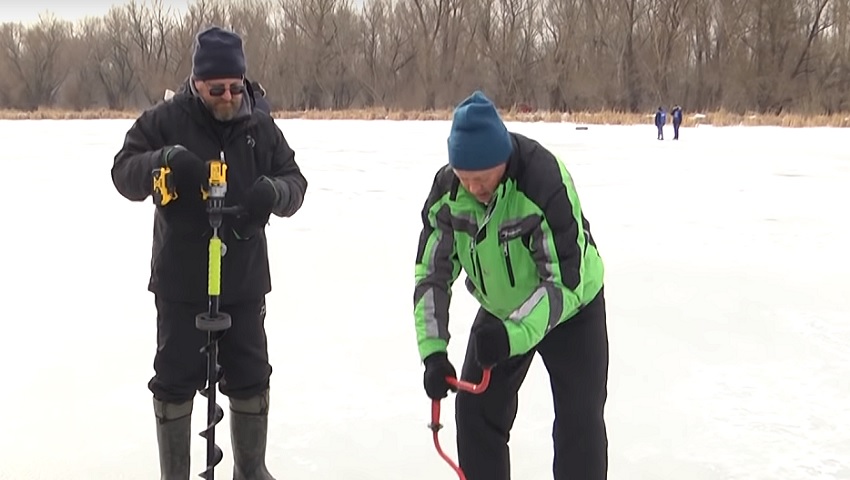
{"points": [[506, 211]]}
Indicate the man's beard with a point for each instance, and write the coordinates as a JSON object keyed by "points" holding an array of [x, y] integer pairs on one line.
{"points": [[224, 111]]}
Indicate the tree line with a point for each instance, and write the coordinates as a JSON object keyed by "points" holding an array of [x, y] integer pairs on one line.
{"points": [[764, 56]]}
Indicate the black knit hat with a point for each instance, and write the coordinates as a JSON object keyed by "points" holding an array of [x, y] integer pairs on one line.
{"points": [[218, 54]]}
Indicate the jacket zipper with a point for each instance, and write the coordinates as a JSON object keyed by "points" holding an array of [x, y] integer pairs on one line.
{"points": [[480, 274], [473, 254], [509, 264], [472, 259], [476, 268]]}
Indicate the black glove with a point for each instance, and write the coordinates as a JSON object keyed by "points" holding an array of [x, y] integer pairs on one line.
{"points": [[437, 368], [188, 171], [491, 342], [259, 201]]}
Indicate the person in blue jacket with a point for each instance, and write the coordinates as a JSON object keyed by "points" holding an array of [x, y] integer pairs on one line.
{"points": [[660, 120], [677, 121]]}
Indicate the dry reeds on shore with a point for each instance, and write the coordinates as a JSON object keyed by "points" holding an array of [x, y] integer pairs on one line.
{"points": [[720, 118]]}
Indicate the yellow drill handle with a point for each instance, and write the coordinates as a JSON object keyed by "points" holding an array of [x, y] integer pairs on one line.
{"points": [[218, 173]]}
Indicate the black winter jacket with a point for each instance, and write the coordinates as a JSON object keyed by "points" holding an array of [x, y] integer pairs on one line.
{"points": [[253, 146]]}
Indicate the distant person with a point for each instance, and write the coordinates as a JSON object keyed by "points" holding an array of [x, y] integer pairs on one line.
{"points": [[505, 211], [214, 114], [660, 121], [677, 120]]}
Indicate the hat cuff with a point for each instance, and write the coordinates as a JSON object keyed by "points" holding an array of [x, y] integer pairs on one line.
{"points": [[208, 74], [479, 152]]}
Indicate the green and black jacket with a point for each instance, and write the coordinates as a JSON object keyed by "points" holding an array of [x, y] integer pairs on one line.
{"points": [[529, 257]]}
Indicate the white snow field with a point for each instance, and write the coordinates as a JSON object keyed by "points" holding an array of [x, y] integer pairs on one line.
{"points": [[728, 288]]}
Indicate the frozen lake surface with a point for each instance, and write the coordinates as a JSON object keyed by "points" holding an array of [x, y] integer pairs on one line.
{"points": [[727, 288]]}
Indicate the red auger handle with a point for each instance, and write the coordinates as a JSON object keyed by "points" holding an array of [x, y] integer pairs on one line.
{"points": [[469, 386], [435, 414]]}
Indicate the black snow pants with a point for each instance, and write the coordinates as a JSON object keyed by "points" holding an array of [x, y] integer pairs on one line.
{"points": [[180, 367], [575, 354]]}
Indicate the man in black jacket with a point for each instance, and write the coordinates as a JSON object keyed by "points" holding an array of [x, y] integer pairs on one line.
{"points": [[213, 117]]}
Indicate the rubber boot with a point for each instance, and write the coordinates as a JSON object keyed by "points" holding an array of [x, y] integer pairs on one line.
{"points": [[173, 434], [249, 422]]}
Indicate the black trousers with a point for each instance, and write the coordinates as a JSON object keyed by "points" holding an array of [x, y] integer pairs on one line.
{"points": [[181, 368], [575, 354]]}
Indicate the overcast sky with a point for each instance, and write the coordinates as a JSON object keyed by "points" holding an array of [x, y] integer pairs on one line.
{"points": [[28, 11]]}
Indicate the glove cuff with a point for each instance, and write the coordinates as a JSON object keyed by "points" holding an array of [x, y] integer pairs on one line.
{"points": [[270, 182], [169, 152], [436, 358]]}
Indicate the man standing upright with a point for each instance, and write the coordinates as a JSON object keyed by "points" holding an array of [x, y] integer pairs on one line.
{"points": [[660, 121], [677, 121], [213, 117]]}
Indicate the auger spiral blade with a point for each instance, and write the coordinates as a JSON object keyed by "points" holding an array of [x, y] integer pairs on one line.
{"points": [[214, 412]]}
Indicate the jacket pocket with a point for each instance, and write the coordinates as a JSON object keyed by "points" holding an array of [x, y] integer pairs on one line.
{"points": [[509, 232]]}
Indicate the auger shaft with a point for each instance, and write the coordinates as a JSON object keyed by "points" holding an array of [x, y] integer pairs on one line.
{"points": [[214, 321]]}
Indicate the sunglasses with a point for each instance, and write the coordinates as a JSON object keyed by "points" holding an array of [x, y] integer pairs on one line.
{"points": [[218, 89]]}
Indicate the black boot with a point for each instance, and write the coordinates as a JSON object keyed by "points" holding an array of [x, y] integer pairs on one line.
{"points": [[173, 425], [249, 422]]}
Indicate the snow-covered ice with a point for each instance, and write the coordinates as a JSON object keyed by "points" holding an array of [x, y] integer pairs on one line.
{"points": [[728, 296]]}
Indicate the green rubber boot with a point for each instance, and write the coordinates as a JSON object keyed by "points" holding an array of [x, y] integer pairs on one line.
{"points": [[249, 424], [173, 425]]}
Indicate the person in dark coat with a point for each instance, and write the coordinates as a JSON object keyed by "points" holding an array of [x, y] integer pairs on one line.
{"points": [[660, 121], [677, 121], [214, 115]]}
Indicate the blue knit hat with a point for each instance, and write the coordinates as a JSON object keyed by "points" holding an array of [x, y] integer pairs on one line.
{"points": [[478, 139], [218, 54]]}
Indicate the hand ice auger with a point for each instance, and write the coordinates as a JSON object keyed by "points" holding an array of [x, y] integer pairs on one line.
{"points": [[435, 425], [214, 322]]}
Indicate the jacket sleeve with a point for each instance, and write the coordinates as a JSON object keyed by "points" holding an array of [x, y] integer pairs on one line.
{"points": [[559, 243], [437, 268], [286, 177], [138, 157], [140, 154]]}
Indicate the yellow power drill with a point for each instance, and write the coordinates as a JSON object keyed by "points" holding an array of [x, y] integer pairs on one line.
{"points": [[164, 190], [163, 186]]}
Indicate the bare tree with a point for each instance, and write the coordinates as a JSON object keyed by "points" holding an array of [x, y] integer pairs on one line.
{"points": [[562, 50], [508, 31], [150, 28], [111, 57], [82, 89], [628, 15], [385, 51], [316, 23], [34, 55], [769, 56], [436, 28], [666, 28]]}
